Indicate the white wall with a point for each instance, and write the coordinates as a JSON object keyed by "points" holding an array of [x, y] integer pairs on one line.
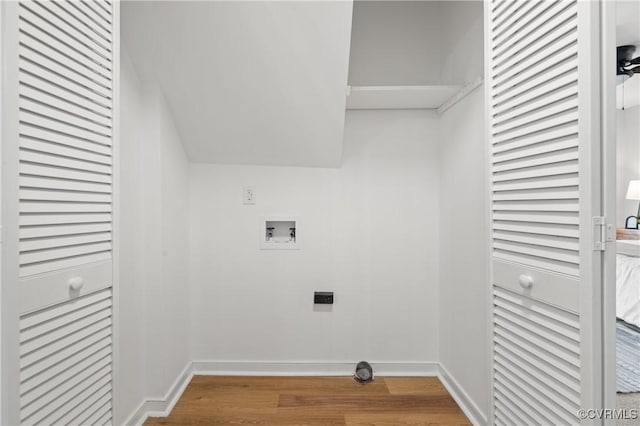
{"points": [[464, 249], [628, 160], [462, 49], [395, 43], [416, 42], [464, 246], [153, 339], [369, 232]]}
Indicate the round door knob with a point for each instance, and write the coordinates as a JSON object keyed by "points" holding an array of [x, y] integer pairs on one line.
{"points": [[526, 281], [76, 283]]}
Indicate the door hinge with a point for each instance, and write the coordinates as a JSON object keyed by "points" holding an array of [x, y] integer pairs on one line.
{"points": [[603, 233]]}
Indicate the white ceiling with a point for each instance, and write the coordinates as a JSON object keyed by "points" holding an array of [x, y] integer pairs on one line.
{"points": [[628, 32], [248, 82]]}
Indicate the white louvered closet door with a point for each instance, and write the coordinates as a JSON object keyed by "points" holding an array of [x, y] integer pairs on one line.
{"points": [[544, 137], [57, 211]]}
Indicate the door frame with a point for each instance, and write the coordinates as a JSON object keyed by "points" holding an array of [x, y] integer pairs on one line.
{"points": [[609, 165], [591, 178], [116, 410], [9, 289]]}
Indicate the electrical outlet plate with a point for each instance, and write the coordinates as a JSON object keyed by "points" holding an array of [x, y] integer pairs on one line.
{"points": [[248, 194]]}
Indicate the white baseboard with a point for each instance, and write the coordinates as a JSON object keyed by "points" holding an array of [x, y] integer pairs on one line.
{"points": [[161, 407], [466, 404], [253, 368]]}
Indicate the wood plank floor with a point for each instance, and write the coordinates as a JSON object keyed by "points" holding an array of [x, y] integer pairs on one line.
{"points": [[278, 401]]}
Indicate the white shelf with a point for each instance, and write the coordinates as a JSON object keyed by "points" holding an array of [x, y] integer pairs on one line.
{"points": [[399, 97]]}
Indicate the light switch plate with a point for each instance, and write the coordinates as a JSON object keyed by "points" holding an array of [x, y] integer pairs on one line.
{"points": [[248, 194]]}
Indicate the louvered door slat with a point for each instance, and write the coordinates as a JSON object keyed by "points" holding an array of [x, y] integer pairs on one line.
{"points": [[30, 321], [86, 356], [86, 415], [548, 45], [536, 412], [37, 16], [55, 171], [48, 81], [95, 20], [76, 17], [54, 395], [60, 219], [557, 72], [537, 228], [90, 332], [63, 324], [539, 240], [101, 415], [545, 383], [104, 5], [544, 158], [540, 82], [49, 182], [83, 110], [72, 51], [58, 386], [35, 150], [564, 255], [542, 41], [561, 118], [64, 22], [524, 34], [543, 364], [101, 12], [66, 262], [56, 123], [45, 63], [558, 205], [543, 182], [76, 50], [67, 240], [561, 137], [49, 158], [89, 34], [564, 193], [549, 403], [562, 57], [39, 106], [502, 21], [66, 144], [520, 330], [524, 153], [523, 410], [551, 108], [65, 230], [512, 414], [65, 355], [77, 401]]}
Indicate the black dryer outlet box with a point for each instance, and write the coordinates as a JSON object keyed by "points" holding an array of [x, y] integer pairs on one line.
{"points": [[323, 298]]}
